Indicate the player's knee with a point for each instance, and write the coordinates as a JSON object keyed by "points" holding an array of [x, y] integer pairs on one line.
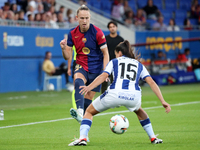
{"points": [[78, 82]]}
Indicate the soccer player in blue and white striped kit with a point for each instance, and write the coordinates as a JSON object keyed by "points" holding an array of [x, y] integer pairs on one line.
{"points": [[124, 91]]}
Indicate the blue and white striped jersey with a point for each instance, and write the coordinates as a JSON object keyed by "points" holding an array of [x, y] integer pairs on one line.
{"points": [[127, 73]]}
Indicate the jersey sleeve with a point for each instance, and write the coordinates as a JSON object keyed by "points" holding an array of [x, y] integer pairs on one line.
{"points": [[69, 40], [109, 68], [101, 40], [144, 73]]}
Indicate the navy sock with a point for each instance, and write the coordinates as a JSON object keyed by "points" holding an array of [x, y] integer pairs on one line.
{"points": [[87, 103], [78, 97]]}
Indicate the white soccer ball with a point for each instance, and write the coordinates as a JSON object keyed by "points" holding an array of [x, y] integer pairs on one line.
{"points": [[51, 87], [119, 124]]}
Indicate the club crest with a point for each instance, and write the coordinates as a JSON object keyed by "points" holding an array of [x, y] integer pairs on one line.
{"points": [[84, 40]]}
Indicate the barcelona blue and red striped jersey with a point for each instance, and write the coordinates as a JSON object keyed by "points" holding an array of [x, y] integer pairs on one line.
{"points": [[87, 44]]}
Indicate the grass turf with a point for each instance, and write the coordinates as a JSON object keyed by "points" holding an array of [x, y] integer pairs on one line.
{"points": [[179, 129]]}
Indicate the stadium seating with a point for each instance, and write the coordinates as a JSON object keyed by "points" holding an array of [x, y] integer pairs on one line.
{"points": [[170, 6], [184, 5], [181, 14], [133, 5], [141, 4], [177, 9], [106, 5]]}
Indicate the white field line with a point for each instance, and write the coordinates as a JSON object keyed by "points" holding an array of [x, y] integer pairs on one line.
{"points": [[101, 114]]}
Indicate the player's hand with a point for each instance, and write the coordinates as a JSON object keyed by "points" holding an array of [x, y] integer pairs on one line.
{"points": [[167, 107], [63, 44], [69, 72], [84, 90]]}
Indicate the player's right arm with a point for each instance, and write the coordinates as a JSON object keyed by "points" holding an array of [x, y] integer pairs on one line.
{"points": [[158, 93], [100, 79], [66, 50]]}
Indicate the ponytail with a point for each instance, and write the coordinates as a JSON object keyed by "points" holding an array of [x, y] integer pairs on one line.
{"points": [[125, 48]]}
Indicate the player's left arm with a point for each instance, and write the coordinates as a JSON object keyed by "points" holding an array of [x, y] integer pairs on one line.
{"points": [[106, 58], [101, 41]]}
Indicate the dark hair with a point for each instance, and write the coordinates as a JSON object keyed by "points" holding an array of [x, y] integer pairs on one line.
{"points": [[6, 4], [125, 48], [111, 22], [83, 7]]}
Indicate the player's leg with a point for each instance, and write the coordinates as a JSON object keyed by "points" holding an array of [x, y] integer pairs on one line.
{"points": [[88, 99], [90, 95], [86, 123], [85, 127], [147, 126], [96, 107], [80, 80]]}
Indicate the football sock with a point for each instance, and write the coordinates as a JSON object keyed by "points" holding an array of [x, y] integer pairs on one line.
{"points": [[85, 127], [80, 111], [146, 124], [73, 100], [78, 97], [87, 103]]}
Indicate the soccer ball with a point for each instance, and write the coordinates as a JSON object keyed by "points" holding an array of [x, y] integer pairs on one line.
{"points": [[119, 124], [50, 87]]}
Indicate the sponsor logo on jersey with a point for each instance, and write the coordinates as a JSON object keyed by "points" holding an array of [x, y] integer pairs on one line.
{"points": [[85, 50], [126, 96], [103, 36], [84, 40]]}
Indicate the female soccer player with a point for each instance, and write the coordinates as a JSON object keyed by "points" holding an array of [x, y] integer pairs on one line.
{"points": [[92, 56], [124, 91]]}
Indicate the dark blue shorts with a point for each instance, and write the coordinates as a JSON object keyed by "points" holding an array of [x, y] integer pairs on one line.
{"points": [[88, 76]]}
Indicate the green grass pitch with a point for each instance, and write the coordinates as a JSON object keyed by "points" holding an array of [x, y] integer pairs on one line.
{"points": [[41, 121]]}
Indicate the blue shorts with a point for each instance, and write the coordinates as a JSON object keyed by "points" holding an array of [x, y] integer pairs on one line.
{"points": [[88, 76]]}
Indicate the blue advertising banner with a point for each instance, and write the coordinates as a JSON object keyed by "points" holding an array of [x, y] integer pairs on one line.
{"points": [[170, 49], [22, 52]]}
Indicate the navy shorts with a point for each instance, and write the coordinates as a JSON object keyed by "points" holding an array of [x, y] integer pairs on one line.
{"points": [[88, 76]]}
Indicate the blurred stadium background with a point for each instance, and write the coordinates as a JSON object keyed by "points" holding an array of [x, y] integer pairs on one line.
{"points": [[30, 28], [34, 119]]}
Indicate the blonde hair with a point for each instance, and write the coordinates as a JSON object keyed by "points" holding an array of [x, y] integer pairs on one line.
{"points": [[83, 7]]}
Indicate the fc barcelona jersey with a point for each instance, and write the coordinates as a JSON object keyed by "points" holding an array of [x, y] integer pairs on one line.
{"points": [[87, 44]]}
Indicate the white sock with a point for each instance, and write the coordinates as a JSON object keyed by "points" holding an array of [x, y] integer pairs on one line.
{"points": [[146, 124], [84, 128], [149, 130], [80, 111]]}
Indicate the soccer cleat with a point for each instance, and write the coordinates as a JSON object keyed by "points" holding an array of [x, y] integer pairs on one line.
{"points": [[75, 114], [156, 141], [79, 142]]}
